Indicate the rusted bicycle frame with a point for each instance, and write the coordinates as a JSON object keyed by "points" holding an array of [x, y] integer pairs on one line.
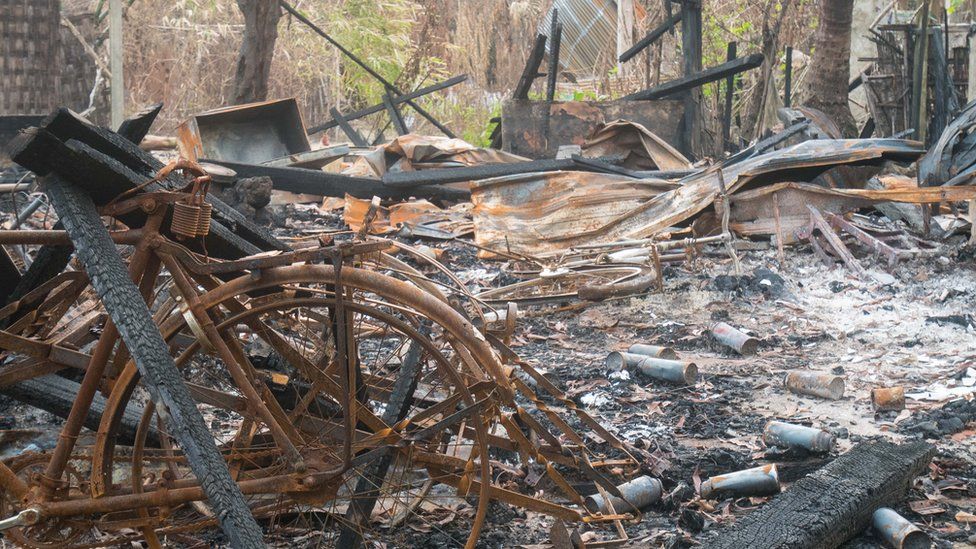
{"points": [[44, 494]]}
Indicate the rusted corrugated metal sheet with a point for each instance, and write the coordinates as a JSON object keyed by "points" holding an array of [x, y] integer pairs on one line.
{"points": [[533, 214]]}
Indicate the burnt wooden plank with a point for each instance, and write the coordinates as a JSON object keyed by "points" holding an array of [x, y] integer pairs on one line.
{"points": [[136, 127], [398, 123], [686, 83], [531, 70], [833, 504], [650, 38], [298, 180], [397, 100], [354, 136], [555, 38], [124, 304]]}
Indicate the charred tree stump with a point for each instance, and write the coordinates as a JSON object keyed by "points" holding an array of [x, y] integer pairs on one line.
{"points": [[834, 504]]}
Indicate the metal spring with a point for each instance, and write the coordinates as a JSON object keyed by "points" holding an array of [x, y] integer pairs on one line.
{"points": [[203, 222], [186, 219]]}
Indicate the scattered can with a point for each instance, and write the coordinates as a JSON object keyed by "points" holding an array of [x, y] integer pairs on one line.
{"points": [[759, 481], [888, 399], [731, 337], [638, 493], [653, 350], [787, 435], [675, 371], [898, 532], [814, 384]]}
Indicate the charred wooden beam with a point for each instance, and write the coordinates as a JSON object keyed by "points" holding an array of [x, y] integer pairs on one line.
{"points": [[55, 394], [531, 70], [650, 38], [354, 136], [411, 180], [555, 34], [130, 315], [298, 180], [398, 123], [379, 78], [136, 127], [397, 100], [686, 83], [833, 504], [730, 54]]}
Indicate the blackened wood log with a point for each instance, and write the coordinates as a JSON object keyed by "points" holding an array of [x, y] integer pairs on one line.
{"points": [[105, 164], [55, 394], [397, 99], [398, 123], [136, 128], [354, 136], [730, 53], [650, 38], [48, 263], [832, 505], [9, 274], [123, 302], [698, 79], [531, 70], [298, 180], [474, 173]]}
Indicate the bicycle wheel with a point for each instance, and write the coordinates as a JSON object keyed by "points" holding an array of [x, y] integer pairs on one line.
{"points": [[423, 394]]}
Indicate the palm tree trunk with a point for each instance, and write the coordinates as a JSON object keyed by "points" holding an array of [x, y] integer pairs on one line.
{"points": [[830, 68]]}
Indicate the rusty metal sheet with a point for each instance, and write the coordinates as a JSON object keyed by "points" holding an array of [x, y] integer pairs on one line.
{"points": [[540, 214], [521, 212], [952, 159], [419, 152], [754, 212], [252, 133], [641, 148]]}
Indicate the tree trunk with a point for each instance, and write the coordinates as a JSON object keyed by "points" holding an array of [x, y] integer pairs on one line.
{"points": [[830, 68], [257, 49], [29, 45]]}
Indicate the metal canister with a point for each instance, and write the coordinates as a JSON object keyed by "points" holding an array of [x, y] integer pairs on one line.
{"points": [[888, 399], [898, 532], [732, 337], [759, 481], [787, 435], [638, 493], [653, 350], [814, 384]]}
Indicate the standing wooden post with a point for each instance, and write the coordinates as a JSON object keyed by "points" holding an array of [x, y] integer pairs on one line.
{"points": [[691, 49], [919, 74], [625, 29], [788, 78], [730, 54], [115, 61], [555, 37]]}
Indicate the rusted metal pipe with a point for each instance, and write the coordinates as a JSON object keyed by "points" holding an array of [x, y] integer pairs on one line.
{"points": [[675, 371], [637, 495], [759, 481], [888, 399], [814, 384], [731, 337], [898, 532], [654, 351], [787, 435]]}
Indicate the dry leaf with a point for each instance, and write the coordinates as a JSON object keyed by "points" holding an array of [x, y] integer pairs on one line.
{"points": [[963, 516]]}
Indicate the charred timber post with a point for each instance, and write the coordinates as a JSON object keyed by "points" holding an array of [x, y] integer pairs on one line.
{"points": [[354, 136], [531, 70], [379, 78], [125, 306], [397, 99], [691, 48], [832, 505], [788, 78], [730, 54], [398, 123], [556, 34], [729, 68], [651, 37]]}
